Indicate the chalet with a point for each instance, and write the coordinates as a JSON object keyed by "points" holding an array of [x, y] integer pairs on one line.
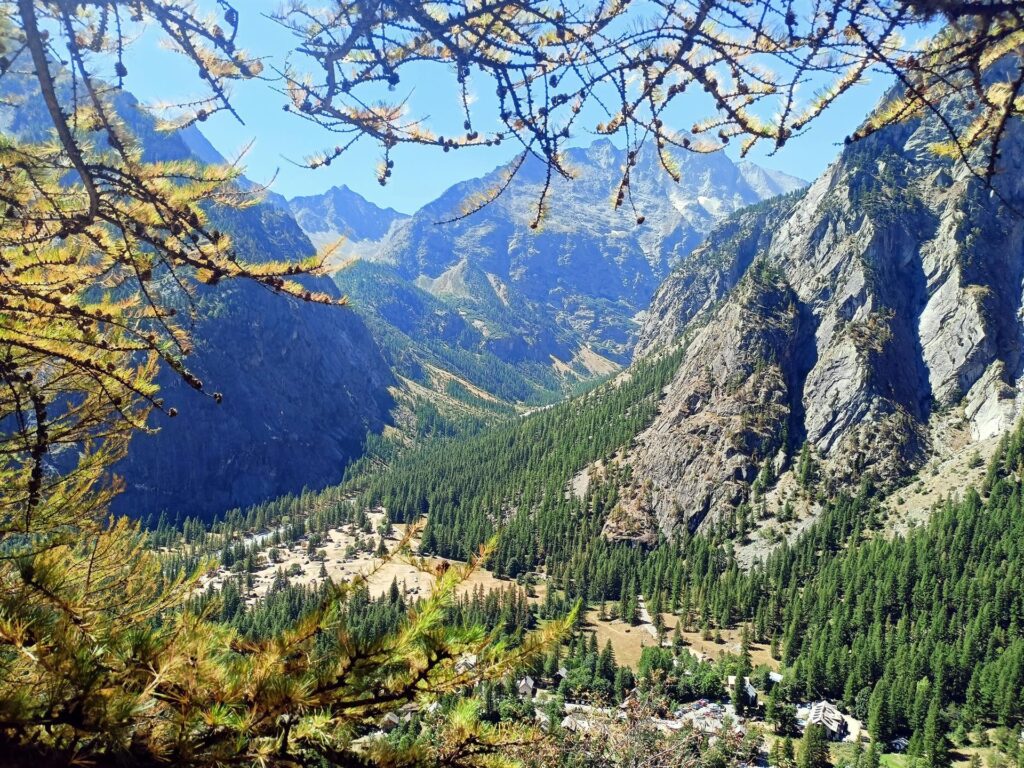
{"points": [[389, 722], [748, 689], [705, 717], [825, 714], [467, 663], [526, 687]]}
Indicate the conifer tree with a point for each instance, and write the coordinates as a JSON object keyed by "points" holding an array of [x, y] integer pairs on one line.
{"points": [[814, 751]]}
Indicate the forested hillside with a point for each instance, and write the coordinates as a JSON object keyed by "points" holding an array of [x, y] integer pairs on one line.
{"points": [[496, 481]]}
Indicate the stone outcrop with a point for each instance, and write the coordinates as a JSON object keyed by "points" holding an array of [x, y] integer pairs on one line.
{"points": [[904, 272]]}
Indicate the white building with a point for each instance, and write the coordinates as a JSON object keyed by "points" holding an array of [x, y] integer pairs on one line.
{"points": [[526, 687]]}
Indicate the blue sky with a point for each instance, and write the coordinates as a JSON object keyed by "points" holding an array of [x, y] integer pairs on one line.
{"points": [[420, 174]]}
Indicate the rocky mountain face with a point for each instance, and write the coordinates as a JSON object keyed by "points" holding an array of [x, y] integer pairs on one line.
{"points": [[427, 341], [302, 384], [565, 297], [858, 316]]}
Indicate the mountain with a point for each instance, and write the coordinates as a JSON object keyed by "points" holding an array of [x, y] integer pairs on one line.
{"points": [[874, 317], [302, 384], [427, 340], [768, 183], [548, 307], [579, 281], [339, 212]]}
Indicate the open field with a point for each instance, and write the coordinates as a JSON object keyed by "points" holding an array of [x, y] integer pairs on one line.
{"points": [[345, 557], [628, 641]]}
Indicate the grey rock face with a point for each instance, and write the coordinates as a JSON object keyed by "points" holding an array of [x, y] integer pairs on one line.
{"points": [[728, 406], [907, 274]]}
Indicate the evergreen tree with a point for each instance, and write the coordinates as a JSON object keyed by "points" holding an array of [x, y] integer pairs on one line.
{"points": [[814, 750]]}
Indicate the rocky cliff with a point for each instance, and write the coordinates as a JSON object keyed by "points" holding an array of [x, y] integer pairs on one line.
{"points": [[849, 317]]}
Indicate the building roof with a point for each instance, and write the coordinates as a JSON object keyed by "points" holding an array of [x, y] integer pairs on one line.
{"points": [[747, 686], [825, 713], [899, 744], [576, 723]]}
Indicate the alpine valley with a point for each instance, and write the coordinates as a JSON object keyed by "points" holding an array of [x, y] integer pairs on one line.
{"points": [[627, 453]]}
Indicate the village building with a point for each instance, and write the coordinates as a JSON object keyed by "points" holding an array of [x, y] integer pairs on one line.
{"points": [[526, 687], [826, 714], [899, 745], [748, 689]]}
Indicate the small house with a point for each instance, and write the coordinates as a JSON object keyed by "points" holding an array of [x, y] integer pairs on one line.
{"points": [[826, 714], [748, 689], [526, 687], [899, 745]]}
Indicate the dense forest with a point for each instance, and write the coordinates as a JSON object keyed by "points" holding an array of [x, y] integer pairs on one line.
{"points": [[471, 488]]}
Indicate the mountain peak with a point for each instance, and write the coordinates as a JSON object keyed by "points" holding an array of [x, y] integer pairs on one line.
{"points": [[341, 212], [767, 182]]}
